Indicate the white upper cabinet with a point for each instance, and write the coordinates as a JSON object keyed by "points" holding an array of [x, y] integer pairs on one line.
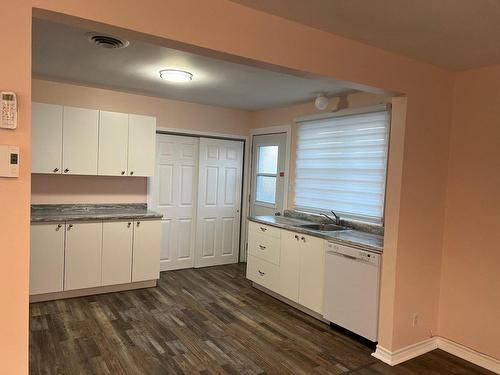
{"points": [[141, 145], [113, 143], [80, 140], [46, 135]]}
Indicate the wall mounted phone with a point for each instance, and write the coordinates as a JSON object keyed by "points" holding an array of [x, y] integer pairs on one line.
{"points": [[8, 115]]}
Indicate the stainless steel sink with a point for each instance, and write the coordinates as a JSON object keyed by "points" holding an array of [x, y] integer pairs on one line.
{"points": [[323, 227]]}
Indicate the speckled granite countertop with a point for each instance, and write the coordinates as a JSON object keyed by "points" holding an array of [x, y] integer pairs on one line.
{"points": [[90, 212], [351, 237]]}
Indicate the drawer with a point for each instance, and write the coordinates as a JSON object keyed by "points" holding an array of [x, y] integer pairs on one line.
{"points": [[263, 273], [267, 230], [264, 247]]}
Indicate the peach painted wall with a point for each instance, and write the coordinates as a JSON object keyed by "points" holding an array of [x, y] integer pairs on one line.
{"points": [[286, 115], [234, 30], [49, 189], [470, 283]]}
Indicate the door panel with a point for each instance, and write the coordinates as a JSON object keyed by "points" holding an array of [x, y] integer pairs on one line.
{"points": [[117, 252], [218, 222], [267, 196], [46, 138], [146, 250], [173, 193], [141, 145], [80, 140], [113, 143], [312, 263]]}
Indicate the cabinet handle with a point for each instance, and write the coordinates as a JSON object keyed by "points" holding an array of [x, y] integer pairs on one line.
{"points": [[303, 239], [56, 170], [70, 226], [138, 223], [261, 273], [131, 173], [296, 237], [263, 229], [262, 247], [128, 225], [66, 170], [123, 172], [59, 226]]}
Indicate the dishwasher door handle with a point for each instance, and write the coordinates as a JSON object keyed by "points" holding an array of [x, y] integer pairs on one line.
{"points": [[342, 255]]}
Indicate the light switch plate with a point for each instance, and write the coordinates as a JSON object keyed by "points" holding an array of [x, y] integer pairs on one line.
{"points": [[9, 161]]}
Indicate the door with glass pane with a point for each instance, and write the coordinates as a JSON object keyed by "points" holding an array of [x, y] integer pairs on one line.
{"points": [[268, 179]]}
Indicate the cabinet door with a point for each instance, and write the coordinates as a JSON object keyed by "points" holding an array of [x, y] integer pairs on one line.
{"points": [[312, 262], [263, 273], [80, 140], [46, 258], [116, 252], [113, 143], [289, 265], [141, 145], [146, 250], [46, 138], [83, 255]]}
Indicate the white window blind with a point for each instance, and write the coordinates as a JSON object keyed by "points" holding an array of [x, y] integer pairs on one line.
{"points": [[341, 165]]}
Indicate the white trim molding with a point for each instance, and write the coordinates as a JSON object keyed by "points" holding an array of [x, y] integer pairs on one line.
{"points": [[415, 350]]}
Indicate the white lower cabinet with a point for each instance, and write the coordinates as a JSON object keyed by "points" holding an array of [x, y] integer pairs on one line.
{"points": [[46, 258], [82, 266], [117, 239], [299, 274], [146, 250]]}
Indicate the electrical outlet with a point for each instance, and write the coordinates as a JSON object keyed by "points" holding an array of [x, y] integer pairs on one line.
{"points": [[414, 321]]}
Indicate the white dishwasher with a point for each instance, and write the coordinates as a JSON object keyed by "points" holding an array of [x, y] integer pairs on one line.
{"points": [[352, 279]]}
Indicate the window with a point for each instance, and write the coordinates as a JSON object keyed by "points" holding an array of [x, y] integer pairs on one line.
{"points": [[341, 165], [267, 169]]}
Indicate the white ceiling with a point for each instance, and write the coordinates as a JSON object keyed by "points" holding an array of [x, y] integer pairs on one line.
{"points": [[63, 53], [452, 34]]}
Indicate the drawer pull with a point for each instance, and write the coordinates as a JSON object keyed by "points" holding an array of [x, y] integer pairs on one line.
{"points": [[296, 237], [263, 229], [303, 239], [261, 273], [262, 247]]}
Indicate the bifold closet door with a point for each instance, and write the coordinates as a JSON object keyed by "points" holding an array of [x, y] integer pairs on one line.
{"points": [[219, 202], [173, 193]]}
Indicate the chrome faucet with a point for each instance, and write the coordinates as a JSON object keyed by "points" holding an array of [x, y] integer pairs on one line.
{"points": [[337, 220]]}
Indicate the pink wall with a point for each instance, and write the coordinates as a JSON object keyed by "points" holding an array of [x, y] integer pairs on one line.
{"points": [[234, 30], [470, 281], [169, 113]]}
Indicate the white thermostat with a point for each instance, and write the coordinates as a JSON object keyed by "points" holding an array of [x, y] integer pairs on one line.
{"points": [[8, 115], [9, 161]]}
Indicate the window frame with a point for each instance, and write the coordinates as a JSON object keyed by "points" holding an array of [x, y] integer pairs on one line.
{"points": [[257, 175]]}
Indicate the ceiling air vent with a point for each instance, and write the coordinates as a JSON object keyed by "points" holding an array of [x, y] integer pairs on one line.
{"points": [[107, 41]]}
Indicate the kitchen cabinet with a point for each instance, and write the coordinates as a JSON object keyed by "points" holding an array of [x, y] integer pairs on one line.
{"points": [[46, 136], [141, 145], [311, 272], [263, 273], [82, 267], [113, 143], [289, 267], [146, 250], [46, 258], [117, 239], [80, 141]]}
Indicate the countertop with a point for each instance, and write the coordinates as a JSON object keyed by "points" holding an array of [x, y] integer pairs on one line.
{"points": [[90, 212], [350, 237]]}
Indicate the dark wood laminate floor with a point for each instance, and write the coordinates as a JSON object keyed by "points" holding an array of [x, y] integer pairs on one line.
{"points": [[206, 321]]}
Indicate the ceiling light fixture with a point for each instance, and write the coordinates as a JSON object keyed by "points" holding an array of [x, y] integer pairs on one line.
{"points": [[321, 102], [176, 75]]}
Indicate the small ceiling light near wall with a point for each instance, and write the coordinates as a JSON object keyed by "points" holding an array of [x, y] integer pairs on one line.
{"points": [[321, 102], [176, 75]]}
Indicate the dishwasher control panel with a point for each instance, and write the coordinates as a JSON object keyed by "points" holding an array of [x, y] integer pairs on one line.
{"points": [[353, 253]]}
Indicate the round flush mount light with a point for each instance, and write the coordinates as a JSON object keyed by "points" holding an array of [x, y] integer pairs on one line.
{"points": [[321, 102], [176, 75]]}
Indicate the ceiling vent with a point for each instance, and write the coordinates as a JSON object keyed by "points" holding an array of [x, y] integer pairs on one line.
{"points": [[107, 41]]}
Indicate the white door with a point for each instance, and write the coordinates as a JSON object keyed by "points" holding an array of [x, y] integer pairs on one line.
{"points": [[268, 168], [113, 143], [173, 193], [80, 140], [146, 250], [82, 265], [116, 252], [219, 201], [46, 258], [46, 138], [141, 145]]}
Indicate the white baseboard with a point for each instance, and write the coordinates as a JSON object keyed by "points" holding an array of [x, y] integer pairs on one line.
{"points": [[415, 350]]}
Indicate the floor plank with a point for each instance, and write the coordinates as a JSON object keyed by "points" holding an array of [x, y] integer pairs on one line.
{"points": [[203, 321]]}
